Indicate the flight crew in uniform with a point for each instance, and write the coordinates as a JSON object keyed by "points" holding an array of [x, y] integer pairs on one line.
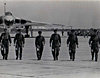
{"points": [[94, 42], [19, 42], [55, 39], [39, 43], [5, 40], [72, 41]]}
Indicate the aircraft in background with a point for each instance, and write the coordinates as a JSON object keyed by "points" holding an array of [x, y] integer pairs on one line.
{"points": [[9, 21]]}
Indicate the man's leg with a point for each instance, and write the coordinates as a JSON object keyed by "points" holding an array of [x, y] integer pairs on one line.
{"points": [[70, 54], [6, 53], [73, 55], [2, 52], [57, 53], [17, 51], [41, 51], [16, 54], [96, 54], [53, 53], [38, 53], [92, 54], [20, 53]]}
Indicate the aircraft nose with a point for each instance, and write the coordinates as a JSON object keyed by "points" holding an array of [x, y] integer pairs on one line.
{"points": [[9, 20]]}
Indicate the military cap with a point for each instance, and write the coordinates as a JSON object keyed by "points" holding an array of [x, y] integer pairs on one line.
{"points": [[55, 30], [72, 30], [95, 30], [39, 32]]}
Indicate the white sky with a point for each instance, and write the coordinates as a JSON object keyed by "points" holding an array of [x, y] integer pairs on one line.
{"points": [[79, 14]]}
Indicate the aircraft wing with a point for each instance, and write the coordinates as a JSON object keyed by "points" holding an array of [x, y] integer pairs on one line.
{"points": [[34, 23], [39, 24], [11, 21], [22, 22]]}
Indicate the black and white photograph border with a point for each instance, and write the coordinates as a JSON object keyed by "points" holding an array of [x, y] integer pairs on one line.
{"points": [[32, 16]]}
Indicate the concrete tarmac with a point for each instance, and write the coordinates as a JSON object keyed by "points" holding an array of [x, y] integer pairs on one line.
{"points": [[30, 67]]}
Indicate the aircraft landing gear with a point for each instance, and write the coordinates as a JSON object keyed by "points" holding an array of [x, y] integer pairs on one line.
{"points": [[27, 35]]}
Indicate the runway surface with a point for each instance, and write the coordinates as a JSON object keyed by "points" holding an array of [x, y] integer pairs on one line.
{"points": [[30, 67]]}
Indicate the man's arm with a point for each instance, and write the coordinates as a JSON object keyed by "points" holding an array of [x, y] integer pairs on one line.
{"points": [[10, 39], [36, 41], [0, 38], [76, 40], [15, 38], [99, 40], [50, 40], [43, 40], [90, 40], [68, 40], [59, 40], [23, 39]]}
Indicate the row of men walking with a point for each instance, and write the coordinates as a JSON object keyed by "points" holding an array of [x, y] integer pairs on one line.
{"points": [[6, 41], [55, 43]]}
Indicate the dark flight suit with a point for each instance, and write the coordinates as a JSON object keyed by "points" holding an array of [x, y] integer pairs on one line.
{"points": [[20, 41], [55, 39], [5, 39], [72, 41], [94, 41], [39, 43]]}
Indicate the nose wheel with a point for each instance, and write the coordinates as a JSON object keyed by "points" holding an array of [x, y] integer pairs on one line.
{"points": [[27, 35]]}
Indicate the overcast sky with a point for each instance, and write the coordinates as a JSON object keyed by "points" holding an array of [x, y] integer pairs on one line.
{"points": [[79, 14]]}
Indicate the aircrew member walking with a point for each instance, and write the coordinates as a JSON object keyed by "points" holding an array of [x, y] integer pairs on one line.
{"points": [[19, 42], [39, 43], [72, 41], [55, 39], [94, 42], [5, 40]]}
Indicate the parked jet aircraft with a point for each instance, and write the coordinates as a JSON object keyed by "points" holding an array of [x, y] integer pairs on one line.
{"points": [[8, 20]]}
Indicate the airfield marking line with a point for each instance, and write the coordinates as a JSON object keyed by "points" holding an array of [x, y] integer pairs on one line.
{"points": [[56, 65], [16, 75]]}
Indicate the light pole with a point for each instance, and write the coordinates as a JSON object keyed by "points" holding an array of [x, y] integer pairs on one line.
{"points": [[4, 8], [4, 14]]}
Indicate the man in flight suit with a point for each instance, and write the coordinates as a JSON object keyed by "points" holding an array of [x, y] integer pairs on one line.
{"points": [[72, 41], [55, 39], [5, 40], [39, 43], [19, 42], [94, 42]]}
